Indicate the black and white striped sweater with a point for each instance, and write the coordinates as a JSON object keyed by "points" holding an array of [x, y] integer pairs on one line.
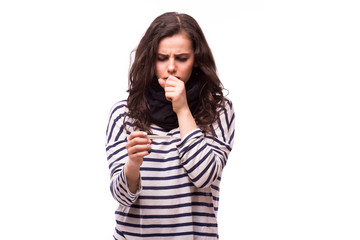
{"points": [[178, 194]]}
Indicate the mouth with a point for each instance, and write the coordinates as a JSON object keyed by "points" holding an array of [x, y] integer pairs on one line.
{"points": [[165, 78]]}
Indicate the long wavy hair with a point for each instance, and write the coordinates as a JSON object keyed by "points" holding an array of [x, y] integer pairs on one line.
{"points": [[142, 71]]}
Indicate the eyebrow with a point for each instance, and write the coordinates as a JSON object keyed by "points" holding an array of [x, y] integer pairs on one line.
{"points": [[176, 55]]}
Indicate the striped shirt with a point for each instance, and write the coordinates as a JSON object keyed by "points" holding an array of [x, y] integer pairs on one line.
{"points": [[178, 194]]}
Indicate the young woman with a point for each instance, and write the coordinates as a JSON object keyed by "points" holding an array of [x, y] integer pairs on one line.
{"points": [[168, 143]]}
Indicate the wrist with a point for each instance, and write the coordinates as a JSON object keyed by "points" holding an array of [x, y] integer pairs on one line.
{"points": [[184, 112], [186, 122], [132, 177], [132, 172]]}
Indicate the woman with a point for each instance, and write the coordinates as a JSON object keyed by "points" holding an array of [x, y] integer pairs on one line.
{"points": [[168, 143]]}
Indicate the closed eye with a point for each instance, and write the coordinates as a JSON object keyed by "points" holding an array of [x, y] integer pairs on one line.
{"points": [[162, 58], [182, 59]]}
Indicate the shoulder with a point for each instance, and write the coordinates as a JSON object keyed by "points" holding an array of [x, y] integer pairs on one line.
{"points": [[119, 108], [118, 111], [226, 113], [227, 108], [115, 127], [223, 128], [228, 103]]}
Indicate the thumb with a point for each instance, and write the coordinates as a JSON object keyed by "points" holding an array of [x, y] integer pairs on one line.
{"points": [[162, 82]]}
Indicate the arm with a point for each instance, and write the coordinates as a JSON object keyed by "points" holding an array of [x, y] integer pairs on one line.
{"points": [[204, 157], [125, 178], [137, 148]]}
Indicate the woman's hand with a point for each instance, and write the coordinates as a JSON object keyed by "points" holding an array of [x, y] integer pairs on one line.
{"points": [[137, 146], [175, 92]]}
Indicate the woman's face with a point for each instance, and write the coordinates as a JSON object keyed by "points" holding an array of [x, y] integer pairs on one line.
{"points": [[175, 57]]}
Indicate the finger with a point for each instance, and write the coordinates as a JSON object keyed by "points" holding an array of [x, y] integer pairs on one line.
{"points": [[169, 96], [171, 82], [169, 89], [139, 156], [162, 82], [138, 141], [138, 149], [173, 78], [136, 134]]}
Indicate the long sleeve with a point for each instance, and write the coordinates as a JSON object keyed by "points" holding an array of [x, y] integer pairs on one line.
{"points": [[116, 138], [204, 157]]}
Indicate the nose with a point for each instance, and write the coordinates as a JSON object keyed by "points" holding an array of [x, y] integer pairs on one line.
{"points": [[171, 66]]}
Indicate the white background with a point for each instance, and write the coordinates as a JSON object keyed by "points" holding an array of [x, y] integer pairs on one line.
{"points": [[292, 71]]}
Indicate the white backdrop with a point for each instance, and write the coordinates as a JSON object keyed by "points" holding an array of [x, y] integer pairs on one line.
{"points": [[292, 71]]}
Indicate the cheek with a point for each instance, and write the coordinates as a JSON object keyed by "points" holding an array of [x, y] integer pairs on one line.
{"points": [[187, 73], [158, 69], [189, 69]]}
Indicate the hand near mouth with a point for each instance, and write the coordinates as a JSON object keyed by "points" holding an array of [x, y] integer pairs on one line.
{"points": [[175, 92]]}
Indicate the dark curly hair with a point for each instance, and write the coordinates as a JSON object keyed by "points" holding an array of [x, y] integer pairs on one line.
{"points": [[142, 71]]}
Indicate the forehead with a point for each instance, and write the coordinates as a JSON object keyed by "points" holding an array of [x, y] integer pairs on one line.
{"points": [[178, 43]]}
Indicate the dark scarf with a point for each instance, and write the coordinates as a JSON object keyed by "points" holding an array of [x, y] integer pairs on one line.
{"points": [[161, 109]]}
